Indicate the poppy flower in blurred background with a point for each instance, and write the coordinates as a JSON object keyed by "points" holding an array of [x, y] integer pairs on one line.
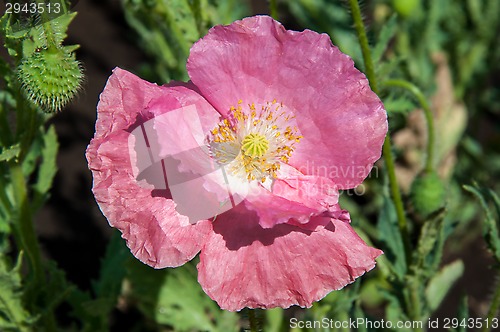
{"points": [[244, 164]]}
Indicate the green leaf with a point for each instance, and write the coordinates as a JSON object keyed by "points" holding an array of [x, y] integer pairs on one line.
{"points": [[13, 37], [13, 316], [30, 160], [94, 312], [462, 313], [476, 11], [112, 270], [490, 225], [357, 313], [399, 105], [38, 37], [167, 29], [274, 320], [173, 297], [223, 11], [6, 208], [393, 310], [442, 282], [48, 167], [12, 28], [57, 288], [386, 69], [80, 302], [430, 235], [6, 101], [338, 301], [390, 237], [370, 294], [329, 17], [386, 34], [10, 153]]}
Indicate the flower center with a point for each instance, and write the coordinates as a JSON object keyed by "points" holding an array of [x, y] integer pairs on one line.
{"points": [[255, 145], [254, 141]]}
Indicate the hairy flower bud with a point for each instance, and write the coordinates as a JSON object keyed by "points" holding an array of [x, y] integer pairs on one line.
{"points": [[50, 78], [406, 8], [428, 193]]}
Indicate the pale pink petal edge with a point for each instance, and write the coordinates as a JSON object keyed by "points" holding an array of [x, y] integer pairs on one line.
{"points": [[248, 266], [153, 230]]}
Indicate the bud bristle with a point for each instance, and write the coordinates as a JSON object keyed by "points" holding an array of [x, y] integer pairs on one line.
{"points": [[50, 78]]}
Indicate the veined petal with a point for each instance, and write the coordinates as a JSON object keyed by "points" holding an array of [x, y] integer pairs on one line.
{"points": [[245, 265], [293, 197], [121, 160]]}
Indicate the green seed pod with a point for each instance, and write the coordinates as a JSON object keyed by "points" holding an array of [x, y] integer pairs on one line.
{"points": [[428, 193], [50, 78], [406, 8]]}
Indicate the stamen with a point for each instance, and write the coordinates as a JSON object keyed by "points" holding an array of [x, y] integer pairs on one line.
{"points": [[255, 143]]}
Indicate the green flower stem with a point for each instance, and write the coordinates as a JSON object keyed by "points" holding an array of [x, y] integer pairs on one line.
{"points": [[495, 305], [64, 6], [415, 303], [387, 148], [26, 238], [4, 199], [5, 132], [24, 227], [429, 165], [177, 33], [27, 122], [47, 28], [24, 232], [363, 41], [252, 318], [273, 9], [396, 196]]}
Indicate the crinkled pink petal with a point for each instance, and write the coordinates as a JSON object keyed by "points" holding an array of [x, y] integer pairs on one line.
{"points": [[245, 265], [343, 123], [178, 139], [309, 189], [292, 196], [155, 232], [273, 209]]}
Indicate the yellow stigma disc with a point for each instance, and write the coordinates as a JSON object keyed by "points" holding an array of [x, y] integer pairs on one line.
{"points": [[254, 145]]}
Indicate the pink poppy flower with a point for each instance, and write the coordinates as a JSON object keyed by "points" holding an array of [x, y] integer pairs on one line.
{"points": [[243, 164]]}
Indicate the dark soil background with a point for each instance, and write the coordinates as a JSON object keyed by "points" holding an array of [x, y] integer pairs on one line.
{"points": [[71, 227]]}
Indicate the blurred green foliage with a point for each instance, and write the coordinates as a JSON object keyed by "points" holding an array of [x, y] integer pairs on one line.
{"points": [[13, 316], [167, 29], [30, 289], [173, 297]]}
